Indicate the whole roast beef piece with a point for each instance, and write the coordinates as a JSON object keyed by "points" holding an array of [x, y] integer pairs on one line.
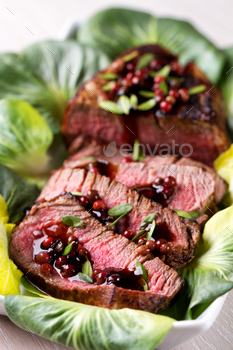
{"points": [[169, 225], [113, 258], [184, 122]]}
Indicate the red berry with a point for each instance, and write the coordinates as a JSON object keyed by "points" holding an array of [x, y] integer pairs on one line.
{"points": [[94, 170], [130, 67], [159, 92], [42, 258], [171, 99], [101, 277], [176, 68], [159, 99], [174, 93], [143, 250], [159, 243], [84, 201], [151, 245], [62, 260], [68, 270], [126, 82], [82, 253], [159, 79], [47, 269], [93, 195], [142, 73], [170, 181], [165, 106], [114, 87], [158, 181], [126, 160], [184, 95], [155, 64], [135, 80], [129, 75], [47, 242], [129, 234], [99, 205], [164, 248]]}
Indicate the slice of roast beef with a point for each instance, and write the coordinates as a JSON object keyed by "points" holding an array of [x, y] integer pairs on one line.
{"points": [[196, 126], [169, 225], [106, 251], [85, 150]]}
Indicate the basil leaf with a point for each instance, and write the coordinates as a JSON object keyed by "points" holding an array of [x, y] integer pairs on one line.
{"points": [[144, 61], [138, 153], [145, 286], [148, 220], [68, 248], [108, 76], [139, 234], [140, 270], [85, 278], [76, 193], [87, 268], [133, 100], [150, 233], [92, 159], [146, 106], [108, 86], [164, 87], [72, 221], [130, 56], [121, 209], [80, 326], [163, 72], [197, 89], [191, 215], [110, 106], [147, 94], [134, 188], [124, 104]]}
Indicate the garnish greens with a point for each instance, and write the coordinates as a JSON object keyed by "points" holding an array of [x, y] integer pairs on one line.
{"points": [[72, 221], [108, 76], [149, 220], [192, 215], [137, 153], [130, 56], [147, 94], [145, 60], [120, 211], [68, 248], [146, 106], [163, 72], [75, 193], [197, 89], [86, 274], [141, 271]]}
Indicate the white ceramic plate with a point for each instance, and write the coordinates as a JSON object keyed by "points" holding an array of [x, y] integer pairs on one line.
{"points": [[181, 331]]}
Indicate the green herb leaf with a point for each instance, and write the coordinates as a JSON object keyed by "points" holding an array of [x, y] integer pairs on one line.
{"points": [[110, 106], [197, 89], [140, 270], [147, 94], [121, 209], [72, 221], [137, 152], [92, 159], [68, 249], [144, 61], [124, 104], [163, 72], [139, 234], [85, 278], [146, 106], [150, 233], [108, 86], [133, 100], [145, 286], [134, 188], [108, 76], [130, 56], [175, 78], [87, 268], [76, 193], [164, 87], [148, 220], [191, 215]]}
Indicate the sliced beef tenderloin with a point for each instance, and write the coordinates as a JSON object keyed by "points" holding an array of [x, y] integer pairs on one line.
{"points": [[168, 224], [106, 251], [199, 122], [86, 150]]}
